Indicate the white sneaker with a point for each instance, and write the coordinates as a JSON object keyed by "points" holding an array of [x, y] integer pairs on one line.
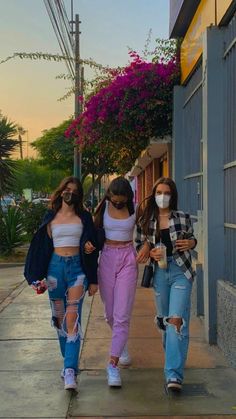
{"points": [[62, 374], [125, 358], [69, 379], [113, 376]]}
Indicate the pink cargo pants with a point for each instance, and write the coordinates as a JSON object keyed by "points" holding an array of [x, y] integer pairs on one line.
{"points": [[117, 279]]}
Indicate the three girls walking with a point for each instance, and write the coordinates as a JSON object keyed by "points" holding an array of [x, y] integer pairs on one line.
{"points": [[65, 251]]}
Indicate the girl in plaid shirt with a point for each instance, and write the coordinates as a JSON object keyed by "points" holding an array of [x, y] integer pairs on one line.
{"points": [[161, 221]]}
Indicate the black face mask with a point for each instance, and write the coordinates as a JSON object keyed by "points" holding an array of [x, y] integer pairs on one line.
{"points": [[70, 198], [119, 205]]}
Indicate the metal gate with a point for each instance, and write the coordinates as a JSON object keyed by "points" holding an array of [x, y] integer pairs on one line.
{"points": [[229, 58]]}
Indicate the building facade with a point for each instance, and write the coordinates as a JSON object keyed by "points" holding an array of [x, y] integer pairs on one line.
{"points": [[155, 161], [204, 156]]}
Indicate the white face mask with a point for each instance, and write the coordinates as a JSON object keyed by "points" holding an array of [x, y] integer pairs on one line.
{"points": [[162, 200]]}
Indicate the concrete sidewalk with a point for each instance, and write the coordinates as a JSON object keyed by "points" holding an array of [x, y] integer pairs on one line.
{"points": [[30, 365]]}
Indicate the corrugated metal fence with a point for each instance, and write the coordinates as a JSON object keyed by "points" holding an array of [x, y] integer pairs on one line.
{"points": [[229, 58], [190, 148], [192, 144]]}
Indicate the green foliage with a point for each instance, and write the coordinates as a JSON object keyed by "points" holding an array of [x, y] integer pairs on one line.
{"points": [[33, 174], [11, 230], [8, 144], [55, 151], [18, 225], [165, 50], [87, 184], [32, 215]]}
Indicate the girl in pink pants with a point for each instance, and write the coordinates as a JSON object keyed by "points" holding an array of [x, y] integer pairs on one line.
{"points": [[117, 271]]}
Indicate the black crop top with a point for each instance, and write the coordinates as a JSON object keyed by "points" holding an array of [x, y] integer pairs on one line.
{"points": [[165, 238]]}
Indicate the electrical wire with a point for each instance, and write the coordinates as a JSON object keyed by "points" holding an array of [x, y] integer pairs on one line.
{"points": [[61, 26], [67, 24], [61, 41]]}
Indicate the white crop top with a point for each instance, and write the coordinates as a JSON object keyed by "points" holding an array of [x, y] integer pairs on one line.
{"points": [[118, 229], [66, 235]]}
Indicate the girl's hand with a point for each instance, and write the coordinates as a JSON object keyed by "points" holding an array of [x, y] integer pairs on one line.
{"points": [[156, 254], [88, 247], [92, 289], [39, 286], [143, 253], [183, 245]]}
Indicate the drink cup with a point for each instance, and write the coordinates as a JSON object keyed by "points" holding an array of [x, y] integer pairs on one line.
{"points": [[162, 263]]}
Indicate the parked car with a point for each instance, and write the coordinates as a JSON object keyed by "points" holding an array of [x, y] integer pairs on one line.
{"points": [[44, 201], [7, 201]]}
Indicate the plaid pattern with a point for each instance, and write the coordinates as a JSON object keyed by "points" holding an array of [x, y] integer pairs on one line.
{"points": [[178, 222]]}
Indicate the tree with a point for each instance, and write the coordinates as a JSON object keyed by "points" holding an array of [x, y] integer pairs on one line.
{"points": [[8, 145], [55, 151], [40, 178]]}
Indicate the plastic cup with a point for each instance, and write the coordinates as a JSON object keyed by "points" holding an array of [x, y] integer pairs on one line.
{"points": [[162, 263]]}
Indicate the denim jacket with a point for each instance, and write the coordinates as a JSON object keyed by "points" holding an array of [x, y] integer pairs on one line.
{"points": [[41, 249]]}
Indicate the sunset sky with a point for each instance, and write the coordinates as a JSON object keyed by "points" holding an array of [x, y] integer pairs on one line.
{"points": [[29, 90]]}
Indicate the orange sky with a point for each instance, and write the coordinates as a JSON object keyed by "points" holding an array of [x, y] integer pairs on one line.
{"points": [[29, 90]]}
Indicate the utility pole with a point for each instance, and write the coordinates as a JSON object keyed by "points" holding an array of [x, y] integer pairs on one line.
{"points": [[77, 153], [68, 36]]}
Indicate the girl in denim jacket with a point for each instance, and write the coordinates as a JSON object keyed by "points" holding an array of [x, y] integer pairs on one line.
{"points": [[63, 251]]}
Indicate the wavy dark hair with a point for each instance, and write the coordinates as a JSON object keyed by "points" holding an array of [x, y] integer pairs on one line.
{"points": [[148, 207], [118, 186], [56, 199]]}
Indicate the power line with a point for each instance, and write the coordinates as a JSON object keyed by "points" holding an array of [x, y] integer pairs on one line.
{"points": [[68, 26], [63, 42], [63, 36], [68, 34]]}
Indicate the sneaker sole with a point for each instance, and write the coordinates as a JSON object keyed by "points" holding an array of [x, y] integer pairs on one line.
{"points": [[70, 387], [174, 387], [114, 384], [125, 362]]}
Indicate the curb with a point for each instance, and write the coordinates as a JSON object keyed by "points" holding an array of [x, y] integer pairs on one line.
{"points": [[10, 264]]}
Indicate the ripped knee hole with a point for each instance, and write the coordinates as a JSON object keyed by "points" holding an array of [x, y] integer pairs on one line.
{"points": [[176, 321]]}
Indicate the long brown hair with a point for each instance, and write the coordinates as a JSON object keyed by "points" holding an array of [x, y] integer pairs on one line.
{"points": [[56, 199], [118, 186], [148, 207]]}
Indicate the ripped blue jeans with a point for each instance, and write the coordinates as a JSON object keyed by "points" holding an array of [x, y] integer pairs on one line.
{"points": [[173, 300], [66, 288]]}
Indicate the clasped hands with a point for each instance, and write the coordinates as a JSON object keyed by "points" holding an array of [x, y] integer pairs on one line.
{"points": [[89, 247]]}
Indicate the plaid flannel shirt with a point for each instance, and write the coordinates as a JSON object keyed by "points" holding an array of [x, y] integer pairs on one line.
{"points": [[178, 222]]}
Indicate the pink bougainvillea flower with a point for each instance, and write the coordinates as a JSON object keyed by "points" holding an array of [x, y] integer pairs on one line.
{"points": [[134, 106]]}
